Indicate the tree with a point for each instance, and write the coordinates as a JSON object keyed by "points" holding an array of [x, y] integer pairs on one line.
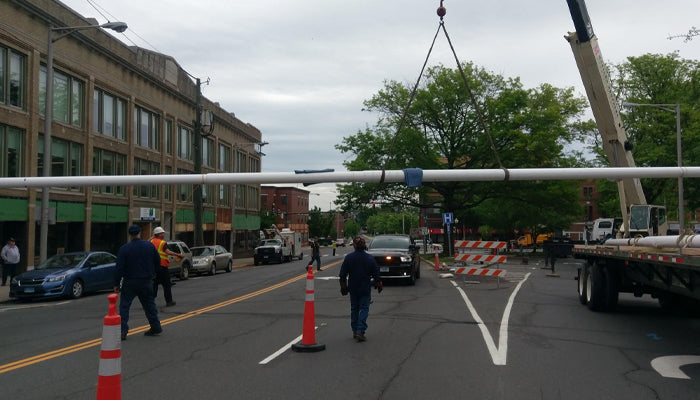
{"points": [[320, 224], [657, 79], [529, 128], [351, 229]]}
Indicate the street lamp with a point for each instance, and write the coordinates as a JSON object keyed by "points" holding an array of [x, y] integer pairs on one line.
{"points": [[677, 109], [61, 32]]}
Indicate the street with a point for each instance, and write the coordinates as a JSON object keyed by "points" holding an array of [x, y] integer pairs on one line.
{"points": [[525, 336]]}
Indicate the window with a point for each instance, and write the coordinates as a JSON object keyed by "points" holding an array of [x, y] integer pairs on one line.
{"points": [[146, 128], [12, 77], [106, 163], [169, 137], [184, 191], [224, 166], [185, 139], [12, 145], [68, 94], [253, 196], [66, 158], [109, 115], [588, 192], [253, 165], [208, 153], [168, 188], [144, 167], [240, 196], [241, 163]]}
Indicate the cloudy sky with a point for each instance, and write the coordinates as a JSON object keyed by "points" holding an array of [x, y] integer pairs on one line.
{"points": [[299, 70]]}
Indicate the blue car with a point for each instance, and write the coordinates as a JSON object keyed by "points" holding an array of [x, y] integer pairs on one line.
{"points": [[66, 275]]}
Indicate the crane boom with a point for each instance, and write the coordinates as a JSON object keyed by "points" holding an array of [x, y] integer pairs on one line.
{"points": [[606, 112]]}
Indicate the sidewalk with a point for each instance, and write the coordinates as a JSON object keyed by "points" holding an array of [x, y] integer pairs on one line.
{"points": [[237, 263]]}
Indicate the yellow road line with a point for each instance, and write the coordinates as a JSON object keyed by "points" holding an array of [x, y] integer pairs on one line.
{"points": [[96, 342]]}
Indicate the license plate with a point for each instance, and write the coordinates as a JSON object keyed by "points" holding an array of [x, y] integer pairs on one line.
{"points": [[383, 269], [29, 290], [266, 256]]}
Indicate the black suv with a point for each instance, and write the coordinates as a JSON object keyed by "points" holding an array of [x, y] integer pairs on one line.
{"points": [[397, 257]]}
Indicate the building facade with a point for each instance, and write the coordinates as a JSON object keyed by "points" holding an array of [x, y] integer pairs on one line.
{"points": [[117, 110], [290, 205]]}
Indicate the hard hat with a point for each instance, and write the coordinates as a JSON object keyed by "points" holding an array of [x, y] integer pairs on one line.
{"points": [[158, 230]]}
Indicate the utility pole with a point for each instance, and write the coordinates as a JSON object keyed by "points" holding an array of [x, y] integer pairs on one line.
{"points": [[197, 195]]}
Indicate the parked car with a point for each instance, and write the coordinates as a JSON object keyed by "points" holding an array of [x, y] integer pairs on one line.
{"points": [[397, 257], [340, 242], [180, 267], [66, 275], [269, 250], [210, 258]]}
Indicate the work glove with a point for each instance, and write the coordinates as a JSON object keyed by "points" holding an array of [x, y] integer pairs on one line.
{"points": [[379, 286], [343, 288]]}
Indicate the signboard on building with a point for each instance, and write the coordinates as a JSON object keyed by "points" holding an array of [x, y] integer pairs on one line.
{"points": [[148, 214]]}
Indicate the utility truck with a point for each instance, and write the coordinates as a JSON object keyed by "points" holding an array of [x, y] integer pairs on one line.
{"points": [[278, 246], [643, 261]]}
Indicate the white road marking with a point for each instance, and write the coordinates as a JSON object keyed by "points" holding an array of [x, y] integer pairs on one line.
{"points": [[284, 348], [28, 306], [669, 366], [498, 354]]}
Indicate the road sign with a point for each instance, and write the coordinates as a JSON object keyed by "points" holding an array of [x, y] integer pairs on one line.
{"points": [[447, 218]]}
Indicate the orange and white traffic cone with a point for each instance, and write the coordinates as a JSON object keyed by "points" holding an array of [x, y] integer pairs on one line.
{"points": [[109, 381], [308, 338]]}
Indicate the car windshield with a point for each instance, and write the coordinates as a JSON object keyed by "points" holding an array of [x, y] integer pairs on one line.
{"points": [[271, 242], [202, 251], [62, 261], [390, 242]]}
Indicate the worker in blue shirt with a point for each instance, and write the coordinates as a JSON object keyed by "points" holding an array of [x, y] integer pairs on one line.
{"points": [[363, 271], [137, 261]]}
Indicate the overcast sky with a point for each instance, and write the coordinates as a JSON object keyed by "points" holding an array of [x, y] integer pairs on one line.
{"points": [[299, 70]]}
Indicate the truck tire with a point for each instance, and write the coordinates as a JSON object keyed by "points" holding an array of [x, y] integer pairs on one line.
{"points": [[596, 290], [582, 284]]}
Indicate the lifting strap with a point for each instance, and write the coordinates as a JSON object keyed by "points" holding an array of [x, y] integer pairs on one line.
{"points": [[441, 11]]}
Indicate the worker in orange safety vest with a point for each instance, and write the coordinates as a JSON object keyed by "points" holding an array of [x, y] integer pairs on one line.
{"points": [[162, 275]]}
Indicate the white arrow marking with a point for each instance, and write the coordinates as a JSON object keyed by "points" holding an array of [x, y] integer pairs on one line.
{"points": [[669, 366], [498, 354]]}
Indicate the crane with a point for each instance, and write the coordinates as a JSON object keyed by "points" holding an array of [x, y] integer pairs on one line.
{"points": [[639, 218]]}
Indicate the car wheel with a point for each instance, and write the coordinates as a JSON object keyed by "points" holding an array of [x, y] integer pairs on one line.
{"points": [[212, 269], [412, 278], [76, 289], [229, 266], [418, 270], [185, 271], [596, 288]]}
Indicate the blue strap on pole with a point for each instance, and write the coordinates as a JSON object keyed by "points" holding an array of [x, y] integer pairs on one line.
{"points": [[413, 177]]}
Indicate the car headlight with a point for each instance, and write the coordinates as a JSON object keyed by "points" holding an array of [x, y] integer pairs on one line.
{"points": [[278, 249], [405, 258], [58, 278], [14, 280]]}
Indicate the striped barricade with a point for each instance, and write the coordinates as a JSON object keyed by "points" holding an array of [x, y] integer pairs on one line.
{"points": [[480, 258], [479, 251], [480, 271], [479, 244]]}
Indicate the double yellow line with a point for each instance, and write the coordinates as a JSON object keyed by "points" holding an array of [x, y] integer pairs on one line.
{"points": [[96, 342]]}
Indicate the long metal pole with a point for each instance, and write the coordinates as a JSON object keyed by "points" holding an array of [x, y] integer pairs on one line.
{"points": [[197, 195], [681, 211], [390, 176], [44, 232]]}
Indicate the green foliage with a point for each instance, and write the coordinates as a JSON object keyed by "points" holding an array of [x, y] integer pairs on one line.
{"points": [[660, 79], [266, 219], [320, 224], [530, 128], [390, 222], [351, 229]]}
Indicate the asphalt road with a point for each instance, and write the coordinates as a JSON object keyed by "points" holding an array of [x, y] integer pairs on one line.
{"points": [[525, 336]]}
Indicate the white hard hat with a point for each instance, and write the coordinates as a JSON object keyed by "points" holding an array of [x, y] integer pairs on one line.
{"points": [[158, 230]]}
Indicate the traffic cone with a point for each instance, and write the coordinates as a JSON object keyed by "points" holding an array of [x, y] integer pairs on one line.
{"points": [[308, 338], [109, 381]]}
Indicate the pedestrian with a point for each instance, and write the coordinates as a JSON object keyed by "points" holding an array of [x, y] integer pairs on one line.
{"points": [[315, 254], [363, 272], [162, 274], [334, 246], [137, 262], [10, 258]]}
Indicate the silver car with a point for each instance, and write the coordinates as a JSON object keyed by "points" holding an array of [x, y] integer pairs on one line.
{"points": [[209, 259]]}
